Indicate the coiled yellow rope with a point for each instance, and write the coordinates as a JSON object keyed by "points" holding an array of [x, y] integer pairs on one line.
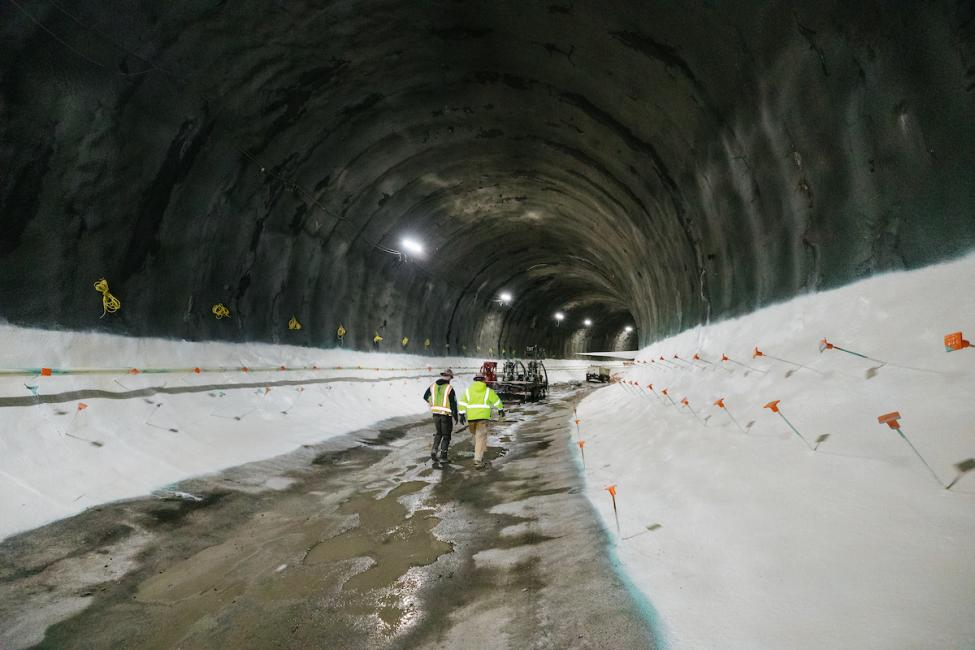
{"points": [[293, 324], [220, 311], [110, 304]]}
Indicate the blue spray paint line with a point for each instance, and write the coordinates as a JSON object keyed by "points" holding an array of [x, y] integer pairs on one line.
{"points": [[640, 600]]}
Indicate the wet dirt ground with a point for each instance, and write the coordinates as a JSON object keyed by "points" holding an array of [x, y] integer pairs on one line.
{"points": [[356, 543]]}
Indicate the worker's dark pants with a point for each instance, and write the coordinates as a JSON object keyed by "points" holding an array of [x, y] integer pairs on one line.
{"points": [[441, 439]]}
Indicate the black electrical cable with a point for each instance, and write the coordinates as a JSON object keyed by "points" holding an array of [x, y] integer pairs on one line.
{"points": [[71, 48], [152, 65]]}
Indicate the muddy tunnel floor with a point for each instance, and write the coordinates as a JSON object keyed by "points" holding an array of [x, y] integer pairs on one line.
{"points": [[338, 546]]}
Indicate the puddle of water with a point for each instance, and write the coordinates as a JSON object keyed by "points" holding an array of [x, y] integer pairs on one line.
{"points": [[393, 541], [383, 543], [173, 512], [384, 534]]}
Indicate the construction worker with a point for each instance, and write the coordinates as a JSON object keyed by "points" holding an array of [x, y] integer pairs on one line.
{"points": [[475, 408], [443, 404]]}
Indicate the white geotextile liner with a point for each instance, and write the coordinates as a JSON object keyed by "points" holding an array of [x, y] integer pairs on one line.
{"points": [[57, 460], [751, 540]]}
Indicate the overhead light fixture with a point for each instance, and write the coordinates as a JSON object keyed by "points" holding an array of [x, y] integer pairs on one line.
{"points": [[559, 317], [504, 297], [412, 246], [587, 322], [628, 329]]}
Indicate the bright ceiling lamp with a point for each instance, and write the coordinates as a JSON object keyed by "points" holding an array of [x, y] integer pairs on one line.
{"points": [[628, 329], [412, 246], [587, 322], [504, 297]]}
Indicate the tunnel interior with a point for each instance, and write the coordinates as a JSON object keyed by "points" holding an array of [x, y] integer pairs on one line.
{"points": [[644, 164]]}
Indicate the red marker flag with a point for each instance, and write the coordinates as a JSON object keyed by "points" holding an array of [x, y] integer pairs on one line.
{"points": [[890, 419], [955, 341]]}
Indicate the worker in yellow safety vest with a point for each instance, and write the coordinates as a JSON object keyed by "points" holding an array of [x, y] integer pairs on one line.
{"points": [[443, 404], [475, 408]]}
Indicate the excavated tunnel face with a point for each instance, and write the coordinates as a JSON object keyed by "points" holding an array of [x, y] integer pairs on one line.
{"points": [[651, 164]]}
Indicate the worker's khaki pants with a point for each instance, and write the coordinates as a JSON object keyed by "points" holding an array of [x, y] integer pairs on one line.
{"points": [[479, 430]]}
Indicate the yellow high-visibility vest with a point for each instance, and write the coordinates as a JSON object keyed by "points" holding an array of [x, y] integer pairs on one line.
{"points": [[478, 400], [440, 399]]}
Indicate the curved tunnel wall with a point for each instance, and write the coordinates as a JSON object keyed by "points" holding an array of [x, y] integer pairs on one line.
{"points": [[641, 163]]}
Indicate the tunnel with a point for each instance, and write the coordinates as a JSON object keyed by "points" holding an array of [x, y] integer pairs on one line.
{"points": [[463, 180], [632, 163]]}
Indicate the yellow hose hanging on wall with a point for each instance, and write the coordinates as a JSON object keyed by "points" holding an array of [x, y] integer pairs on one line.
{"points": [[405, 341], [293, 324], [377, 339], [220, 311], [110, 304]]}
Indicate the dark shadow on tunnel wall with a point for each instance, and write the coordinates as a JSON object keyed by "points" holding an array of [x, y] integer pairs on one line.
{"points": [[650, 163]]}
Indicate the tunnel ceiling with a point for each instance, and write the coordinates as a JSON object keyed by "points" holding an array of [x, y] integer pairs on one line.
{"points": [[657, 164]]}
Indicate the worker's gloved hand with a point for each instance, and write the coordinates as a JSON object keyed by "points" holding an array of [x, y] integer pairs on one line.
{"points": [[501, 413], [463, 419]]}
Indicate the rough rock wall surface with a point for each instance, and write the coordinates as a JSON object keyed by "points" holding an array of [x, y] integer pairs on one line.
{"points": [[649, 163]]}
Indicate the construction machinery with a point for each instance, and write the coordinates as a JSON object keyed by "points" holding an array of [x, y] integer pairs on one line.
{"points": [[489, 370], [597, 374], [522, 380]]}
